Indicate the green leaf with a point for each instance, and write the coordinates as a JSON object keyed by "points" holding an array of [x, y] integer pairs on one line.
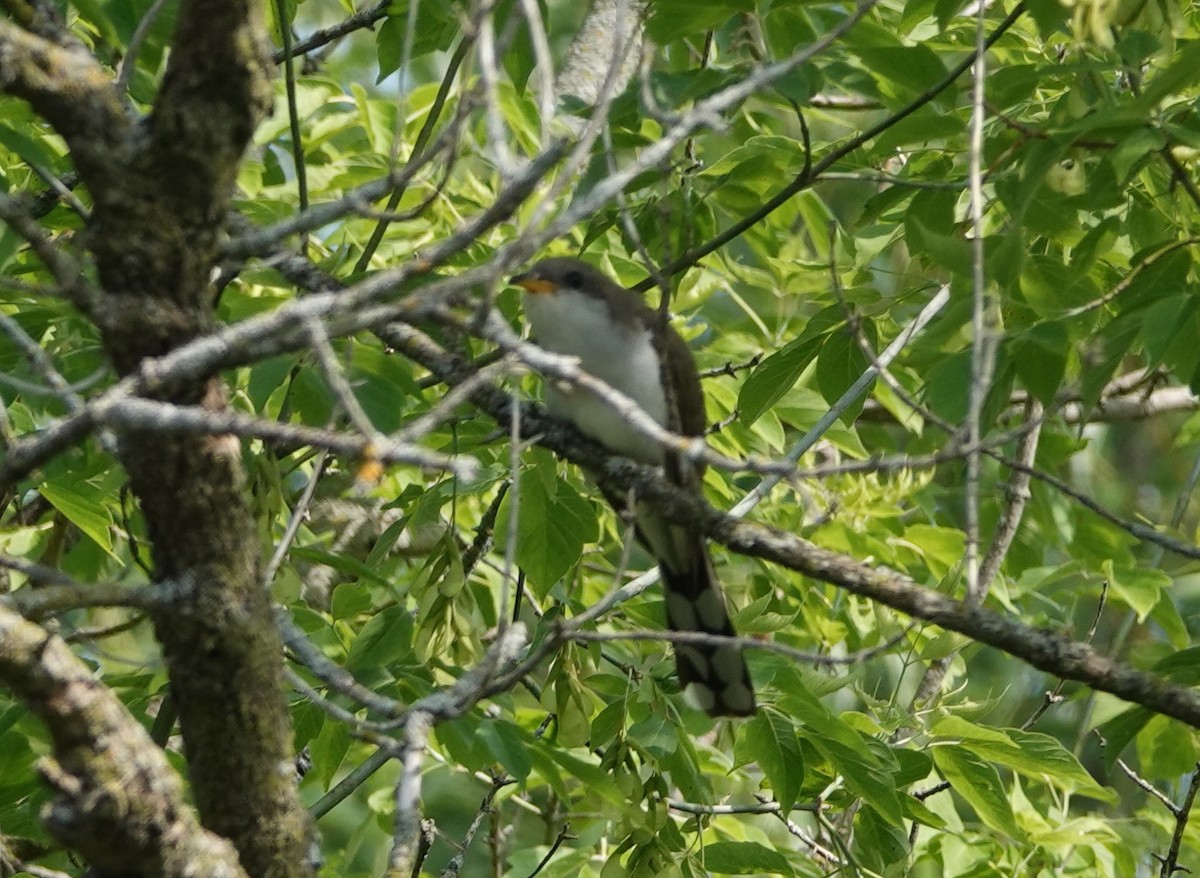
{"points": [[508, 745], [948, 387], [350, 599], [979, 784], [608, 723], [878, 843], [952, 252], [1096, 244], [81, 503], [745, 858], [1131, 151], [1139, 588], [688, 775], [386, 638], [1040, 357], [1181, 667], [750, 173], [841, 363], [946, 10], [1166, 615], [597, 780], [756, 156], [1049, 15], [436, 28], [16, 761], [1040, 755], [902, 72], [460, 740], [656, 734], [95, 14], [554, 523], [383, 386], [310, 397], [519, 61], [329, 749], [1114, 341], [777, 374], [787, 25], [1162, 322], [672, 20], [36, 152], [774, 377], [307, 721], [1120, 730], [1033, 754], [1166, 749], [770, 740], [1183, 72], [849, 754], [1050, 286], [1039, 160], [925, 126], [941, 547], [677, 88], [342, 563]]}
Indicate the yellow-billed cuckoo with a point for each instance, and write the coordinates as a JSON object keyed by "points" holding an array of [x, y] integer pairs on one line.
{"points": [[575, 309]]}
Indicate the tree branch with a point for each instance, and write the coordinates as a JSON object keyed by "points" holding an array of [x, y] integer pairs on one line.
{"points": [[66, 86], [1046, 650], [117, 799], [159, 194]]}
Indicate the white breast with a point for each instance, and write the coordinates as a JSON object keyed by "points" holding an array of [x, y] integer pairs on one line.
{"points": [[622, 357]]}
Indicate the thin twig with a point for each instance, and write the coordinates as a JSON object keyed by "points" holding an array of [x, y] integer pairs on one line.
{"points": [[129, 61], [417, 152], [289, 79], [299, 513], [563, 834], [499, 782], [1170, 863], [983, 329], [318, 39]]}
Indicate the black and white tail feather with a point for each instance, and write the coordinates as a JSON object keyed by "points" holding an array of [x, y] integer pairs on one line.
{"points": [[714, 675]]}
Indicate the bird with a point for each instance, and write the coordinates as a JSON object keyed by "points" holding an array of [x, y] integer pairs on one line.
{"points": [[575, 309]]}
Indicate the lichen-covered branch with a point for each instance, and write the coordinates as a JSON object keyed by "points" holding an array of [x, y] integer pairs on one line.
{"points": [[611, 29], [68, 88], [161, 190], [117, 799]]}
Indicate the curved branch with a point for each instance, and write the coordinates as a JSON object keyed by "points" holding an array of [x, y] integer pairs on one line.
{"points": [[281, 330], [1046, 650], [67, 87], [359, 20]]}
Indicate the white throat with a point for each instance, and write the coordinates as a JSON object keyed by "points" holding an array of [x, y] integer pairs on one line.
{"points": [[622, 356]]}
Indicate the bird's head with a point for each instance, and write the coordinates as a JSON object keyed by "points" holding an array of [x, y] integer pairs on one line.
{"points": [[560, 273]]}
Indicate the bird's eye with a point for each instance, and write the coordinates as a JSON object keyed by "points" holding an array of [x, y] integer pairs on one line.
{"points": [[573, 279]]}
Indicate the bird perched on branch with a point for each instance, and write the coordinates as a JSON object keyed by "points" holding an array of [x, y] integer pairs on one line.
{"points": [[575, 309]]}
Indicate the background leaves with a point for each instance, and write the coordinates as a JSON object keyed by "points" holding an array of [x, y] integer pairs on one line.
{"points": [[1089, 154]]}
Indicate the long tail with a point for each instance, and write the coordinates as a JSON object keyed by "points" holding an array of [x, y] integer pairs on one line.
{"points": [[715, 676]]}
